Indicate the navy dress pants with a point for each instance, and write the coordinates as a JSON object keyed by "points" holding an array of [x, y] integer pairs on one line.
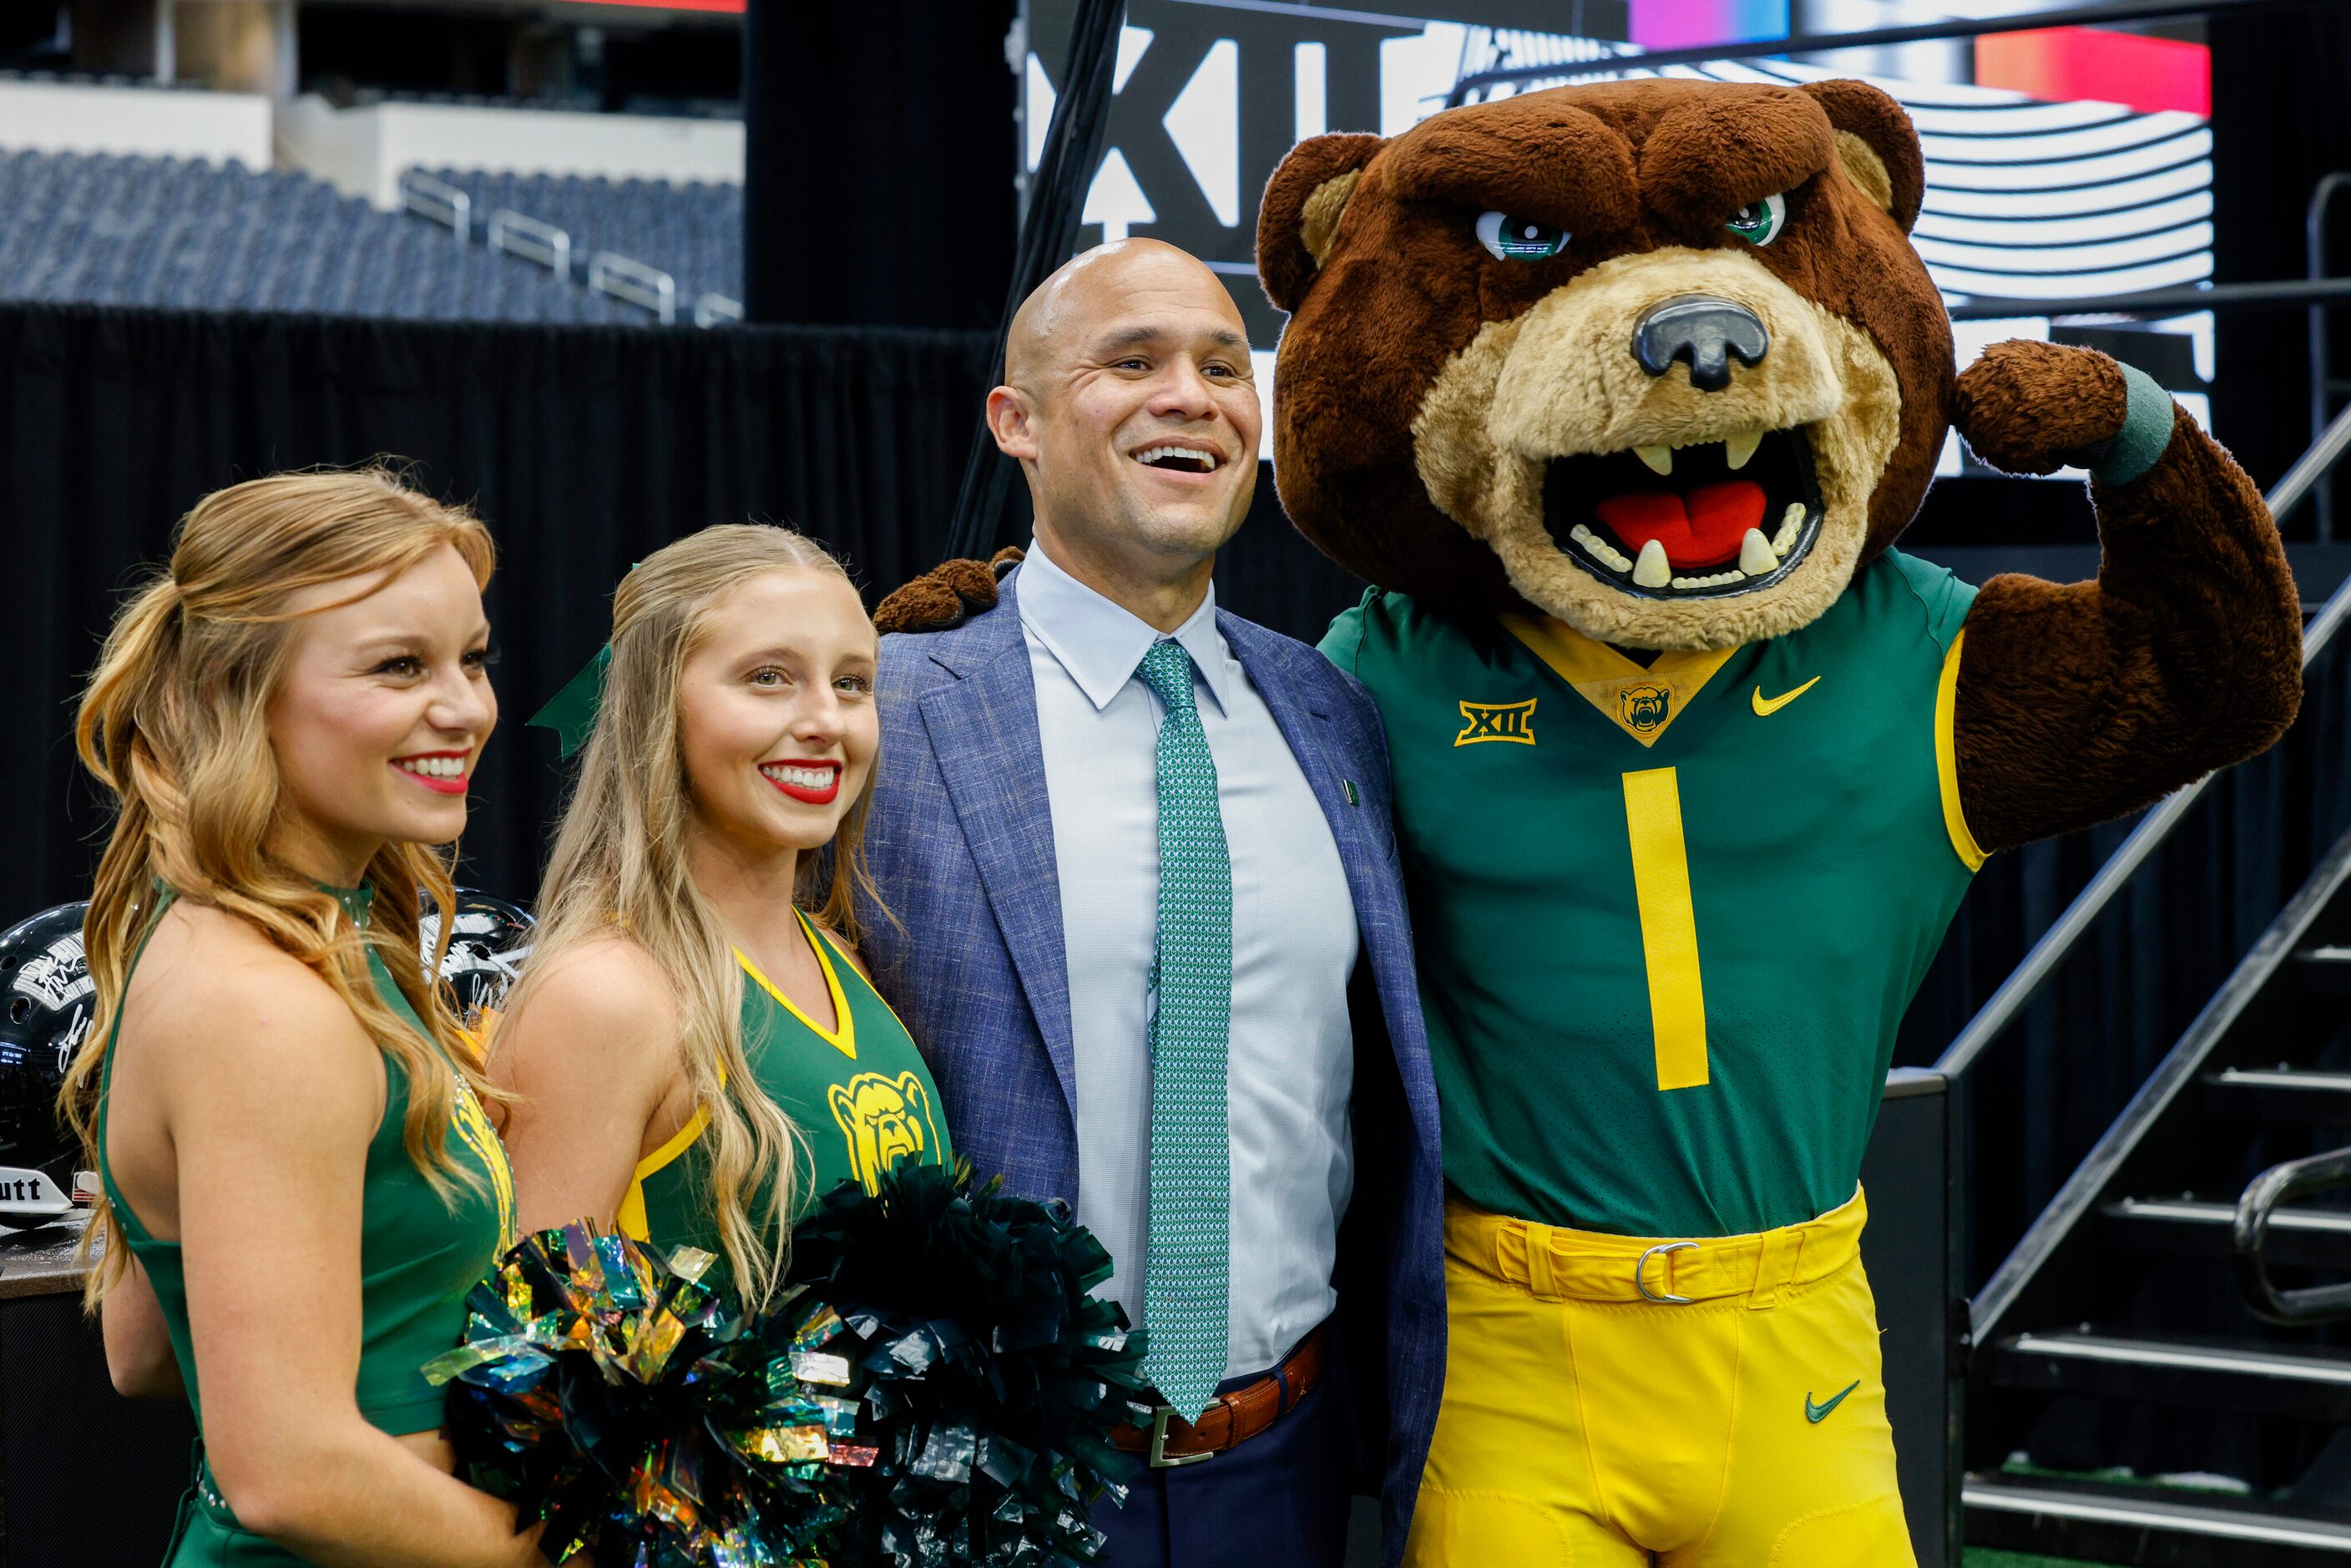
{"points": [[1279, 1501]]}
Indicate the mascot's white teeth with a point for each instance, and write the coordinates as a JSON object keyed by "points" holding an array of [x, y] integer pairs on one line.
{"points": [[1785, 540], [1736, 450], [1652, 570], [1756, 555], [1186, 456], [1608, 555]]}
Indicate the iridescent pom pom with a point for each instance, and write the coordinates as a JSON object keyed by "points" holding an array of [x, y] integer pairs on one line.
{"points": [[628, 1403]]}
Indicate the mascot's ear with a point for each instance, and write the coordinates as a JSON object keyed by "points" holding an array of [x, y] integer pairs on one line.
{"points": [[1299, 216], [1877, 145]]}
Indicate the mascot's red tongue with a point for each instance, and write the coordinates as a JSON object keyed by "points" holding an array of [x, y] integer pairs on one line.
{"points": [[1697, 529]]}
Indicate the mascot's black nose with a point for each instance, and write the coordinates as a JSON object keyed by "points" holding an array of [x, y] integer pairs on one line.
{"points": [[1703, 330]]}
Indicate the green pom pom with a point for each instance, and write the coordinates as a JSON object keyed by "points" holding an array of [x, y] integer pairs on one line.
{"points": [[995, 1378]]}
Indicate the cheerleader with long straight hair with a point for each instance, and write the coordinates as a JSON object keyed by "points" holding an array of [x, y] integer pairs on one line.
{"points": [[694, 1053], [299, 1184]]}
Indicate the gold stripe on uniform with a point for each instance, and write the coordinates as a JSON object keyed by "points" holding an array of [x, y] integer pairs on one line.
{"points": [[1653, 816], [632, 1221], [1947, 758]]}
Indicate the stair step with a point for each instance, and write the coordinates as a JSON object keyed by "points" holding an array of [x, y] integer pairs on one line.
{"points": [[2289, 1381], [2305, 1237], [2109, 1522], [2324, 970], [2304, 1095]]}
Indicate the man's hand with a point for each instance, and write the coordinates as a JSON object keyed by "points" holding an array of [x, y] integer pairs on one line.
{"points": [[946, 596]]}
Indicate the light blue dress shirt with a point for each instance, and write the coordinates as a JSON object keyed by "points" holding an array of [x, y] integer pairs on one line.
{"points": [[1290, 1067]]}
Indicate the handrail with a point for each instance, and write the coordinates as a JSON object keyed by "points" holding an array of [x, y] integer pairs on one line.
{"points": [[2250, 1229], [519, 234], [608, 272], [438, 200], [2025, 981], [1871, 38]]}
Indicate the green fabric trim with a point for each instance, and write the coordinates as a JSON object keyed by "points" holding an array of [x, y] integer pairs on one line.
{"points": [[2146, 432], [572, 712]]}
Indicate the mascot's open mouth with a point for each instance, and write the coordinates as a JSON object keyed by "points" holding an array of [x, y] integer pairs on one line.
{"points": [[1683, 522]]}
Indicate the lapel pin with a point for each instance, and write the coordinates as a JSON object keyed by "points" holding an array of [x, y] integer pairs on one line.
{"points": [[1347, 787]]}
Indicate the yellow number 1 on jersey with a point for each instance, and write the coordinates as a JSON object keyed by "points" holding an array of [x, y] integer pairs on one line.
{"points": [[1653, 817]]}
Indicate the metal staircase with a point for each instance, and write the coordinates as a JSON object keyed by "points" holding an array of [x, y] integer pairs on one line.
{"points": [[2095, 1306], [2194, 1260]]}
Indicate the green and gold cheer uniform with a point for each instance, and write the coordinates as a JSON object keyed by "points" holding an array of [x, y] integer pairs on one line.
{"points": [[1669, 918], [860, 1090], [418, 1255]]}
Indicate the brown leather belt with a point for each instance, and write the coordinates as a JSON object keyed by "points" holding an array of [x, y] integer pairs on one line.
{"points": [[1231, 1419]]}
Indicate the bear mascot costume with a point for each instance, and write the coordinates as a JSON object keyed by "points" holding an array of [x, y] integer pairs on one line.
{"points": [[1620, 394]]}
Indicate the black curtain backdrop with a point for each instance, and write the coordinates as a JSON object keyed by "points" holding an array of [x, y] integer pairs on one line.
{"points": [[879, 144], [583, 448]]}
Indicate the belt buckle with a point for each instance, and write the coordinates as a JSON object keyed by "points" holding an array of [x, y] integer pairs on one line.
{"points": [[1160, 1458], [1641, 1268]]}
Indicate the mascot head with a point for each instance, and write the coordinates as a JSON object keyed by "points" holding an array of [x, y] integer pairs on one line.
{"points": [[1653, 357]]}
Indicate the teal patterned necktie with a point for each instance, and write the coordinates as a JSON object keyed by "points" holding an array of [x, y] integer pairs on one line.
{"points": [[1183, 1281]]}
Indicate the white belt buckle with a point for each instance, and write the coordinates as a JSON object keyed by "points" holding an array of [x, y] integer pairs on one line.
{"points": [[1641, 1268]]}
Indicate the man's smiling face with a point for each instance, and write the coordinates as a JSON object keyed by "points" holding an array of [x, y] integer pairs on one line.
{"points": [[1131, 403]]}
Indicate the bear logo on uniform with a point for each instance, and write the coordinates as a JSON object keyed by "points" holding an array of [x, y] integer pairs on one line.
{"points": [[1646, 707], [884, 1120]]}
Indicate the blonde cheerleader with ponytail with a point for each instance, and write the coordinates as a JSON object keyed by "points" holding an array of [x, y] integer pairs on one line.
{"points": [[299, 1184]]}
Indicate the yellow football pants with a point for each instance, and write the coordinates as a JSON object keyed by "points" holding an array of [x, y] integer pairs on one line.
{"points": [[1585, 1424]]}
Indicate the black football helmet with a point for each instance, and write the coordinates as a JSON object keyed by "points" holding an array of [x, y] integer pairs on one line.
{"points": [[486, 947], [46, 1000]]}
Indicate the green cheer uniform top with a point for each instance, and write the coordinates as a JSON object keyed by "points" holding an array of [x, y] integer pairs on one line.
{"points": [[860, 1090], [418, 1255], [1669, 918]]}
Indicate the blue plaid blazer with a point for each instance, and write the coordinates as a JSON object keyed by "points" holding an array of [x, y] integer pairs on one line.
{"points": [[960, 846]]}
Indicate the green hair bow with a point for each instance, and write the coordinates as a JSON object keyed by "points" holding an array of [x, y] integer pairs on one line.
{"points": [[572, 712]]}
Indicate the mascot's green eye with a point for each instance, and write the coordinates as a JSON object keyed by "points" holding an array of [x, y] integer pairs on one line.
{"points": [[1759, 223], [1519, 239]]}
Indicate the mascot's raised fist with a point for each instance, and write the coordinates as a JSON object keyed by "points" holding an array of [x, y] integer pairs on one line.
{"points": [[2035, 408]]}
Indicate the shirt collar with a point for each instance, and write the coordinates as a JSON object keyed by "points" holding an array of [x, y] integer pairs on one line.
{"points": [[1101, 643]]}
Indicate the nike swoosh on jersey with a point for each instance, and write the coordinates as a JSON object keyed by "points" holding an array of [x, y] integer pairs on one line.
{"points": [[1816, 1414], [1766, 706]]}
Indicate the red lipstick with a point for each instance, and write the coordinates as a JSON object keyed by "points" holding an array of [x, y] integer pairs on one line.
{"points": [[819, 795], [443, 782]]}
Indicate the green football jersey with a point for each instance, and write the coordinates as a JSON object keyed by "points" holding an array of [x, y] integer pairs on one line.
{"points": [[1669, 918]]}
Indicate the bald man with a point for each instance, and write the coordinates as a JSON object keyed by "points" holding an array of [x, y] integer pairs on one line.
{"points": [[1150, 931]]}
